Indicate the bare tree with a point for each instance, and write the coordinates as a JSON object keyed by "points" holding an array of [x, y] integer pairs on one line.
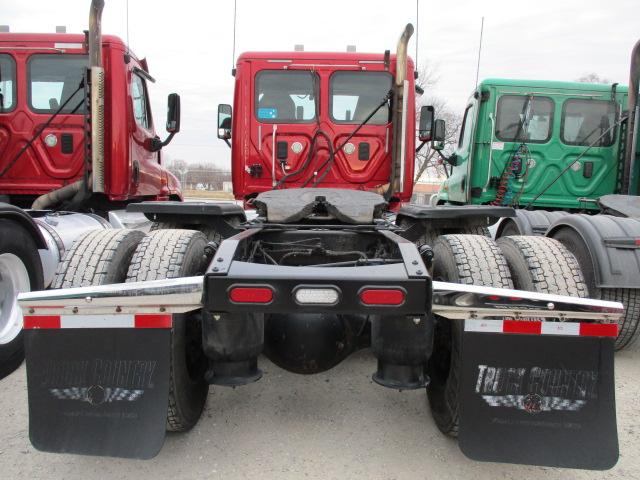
{"points": [[428, 161], [593, 78]]}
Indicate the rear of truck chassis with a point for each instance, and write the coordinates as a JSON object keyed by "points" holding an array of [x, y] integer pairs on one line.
{"points": [[519, 377]]}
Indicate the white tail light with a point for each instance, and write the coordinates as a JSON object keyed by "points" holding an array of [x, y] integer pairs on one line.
{"points": [[317, 296]]}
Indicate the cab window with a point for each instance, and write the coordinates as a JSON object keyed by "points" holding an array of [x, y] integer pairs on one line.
{"points": [[522, 118], [140, 102], [586, 121], [7, 83], [285, 97], [465, 129], [355, 95], [54, 79]]}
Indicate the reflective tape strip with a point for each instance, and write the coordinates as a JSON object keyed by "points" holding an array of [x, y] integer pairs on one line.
{"points": [[542, 328], [96, 321], [560, 328], [489, 326], [32, 322], [41, 321]]}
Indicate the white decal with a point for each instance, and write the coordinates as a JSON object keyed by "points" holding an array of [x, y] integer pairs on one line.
{"points": [[534, 403], [536, 389]]}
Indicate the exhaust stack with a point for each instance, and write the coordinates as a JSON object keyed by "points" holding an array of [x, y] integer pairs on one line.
{"points": [[399, 114], [632, 125], [97, 95]]}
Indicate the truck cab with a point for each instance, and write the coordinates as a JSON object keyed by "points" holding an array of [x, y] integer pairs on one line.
{"points": [[304, 119], [41, 74], [519, 136]]}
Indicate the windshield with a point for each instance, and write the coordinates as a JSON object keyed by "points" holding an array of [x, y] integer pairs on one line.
{"points": [[7, 83], [521, 120], [355, 95], [285, 97], [585, 121], [53, 79]]}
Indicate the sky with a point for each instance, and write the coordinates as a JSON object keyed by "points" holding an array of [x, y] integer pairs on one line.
{"points": [[189, 44]]}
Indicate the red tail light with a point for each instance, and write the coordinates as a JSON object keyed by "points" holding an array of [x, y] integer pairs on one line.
{"points": [[251, 294], [380, 296]]}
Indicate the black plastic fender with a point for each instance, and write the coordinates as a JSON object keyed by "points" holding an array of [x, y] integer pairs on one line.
{"points": [[418, 219], [18, 215], [214, 214], [612, 244], [530, 222]]}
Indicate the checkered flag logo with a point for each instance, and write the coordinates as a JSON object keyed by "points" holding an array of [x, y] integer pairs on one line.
{"points": [[96, 394]]}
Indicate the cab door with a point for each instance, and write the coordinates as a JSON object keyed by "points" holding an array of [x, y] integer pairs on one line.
{"points": [[145, 173], [458, 183]]}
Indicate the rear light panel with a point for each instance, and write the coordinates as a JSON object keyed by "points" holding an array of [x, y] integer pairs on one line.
{"points": [[259, 295], [382, 296]]}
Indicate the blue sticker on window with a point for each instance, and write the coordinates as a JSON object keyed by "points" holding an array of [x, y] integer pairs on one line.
{"points": [[269, 113]]}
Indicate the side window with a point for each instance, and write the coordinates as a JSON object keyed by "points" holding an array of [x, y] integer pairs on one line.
{"points": [[140, 102], [585, 121], [465, 129], [55, 80], [7, 83], [522, 118]]}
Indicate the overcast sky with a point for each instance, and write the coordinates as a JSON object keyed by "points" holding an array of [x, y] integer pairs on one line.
{"points": [[188, 44]]}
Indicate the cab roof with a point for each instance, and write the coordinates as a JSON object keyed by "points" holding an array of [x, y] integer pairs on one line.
{"points": [[50, 39], [550, 84], [319, 56]]}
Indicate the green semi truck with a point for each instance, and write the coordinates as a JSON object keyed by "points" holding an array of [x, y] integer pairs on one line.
{"points": [[518, 137], [565, 155]]}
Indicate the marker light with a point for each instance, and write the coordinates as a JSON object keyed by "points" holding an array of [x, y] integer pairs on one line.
{"points": [[380, 296], [251, 294], [317, 296]]}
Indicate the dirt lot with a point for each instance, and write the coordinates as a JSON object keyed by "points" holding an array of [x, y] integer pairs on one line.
{"points": [[334, 425]]}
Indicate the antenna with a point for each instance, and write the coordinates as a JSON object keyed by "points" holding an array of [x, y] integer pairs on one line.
{"points": [[417, 32], [479, 50], [233, 54]]}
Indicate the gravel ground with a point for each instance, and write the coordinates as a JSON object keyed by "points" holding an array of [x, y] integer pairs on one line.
{"points": [[333, 425]]}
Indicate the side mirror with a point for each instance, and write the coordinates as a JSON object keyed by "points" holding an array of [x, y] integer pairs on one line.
{"points": [[224, 121], [173, 113], [439, 131], [173, 124], [425, 129]]}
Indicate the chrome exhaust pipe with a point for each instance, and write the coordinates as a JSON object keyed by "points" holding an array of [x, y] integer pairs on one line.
{"points": [[399, 120], [632, 125], [97, 95]]}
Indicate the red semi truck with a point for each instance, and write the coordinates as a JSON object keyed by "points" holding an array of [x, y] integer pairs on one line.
{"points": [[77, 140], [327, 266]]}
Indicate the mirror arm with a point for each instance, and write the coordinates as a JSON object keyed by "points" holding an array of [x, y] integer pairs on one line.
{"points": [[420, 146], [226, 140], [156, 144], [452, 160]]}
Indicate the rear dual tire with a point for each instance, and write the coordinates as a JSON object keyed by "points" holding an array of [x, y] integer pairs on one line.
{"points": [[471, 260], [20, 271], [533, 263], [103, 257], [173, 254], [629, 324]]}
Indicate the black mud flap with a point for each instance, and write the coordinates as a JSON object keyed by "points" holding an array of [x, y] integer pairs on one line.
{"points": [[538, 400], [98, 391]]}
